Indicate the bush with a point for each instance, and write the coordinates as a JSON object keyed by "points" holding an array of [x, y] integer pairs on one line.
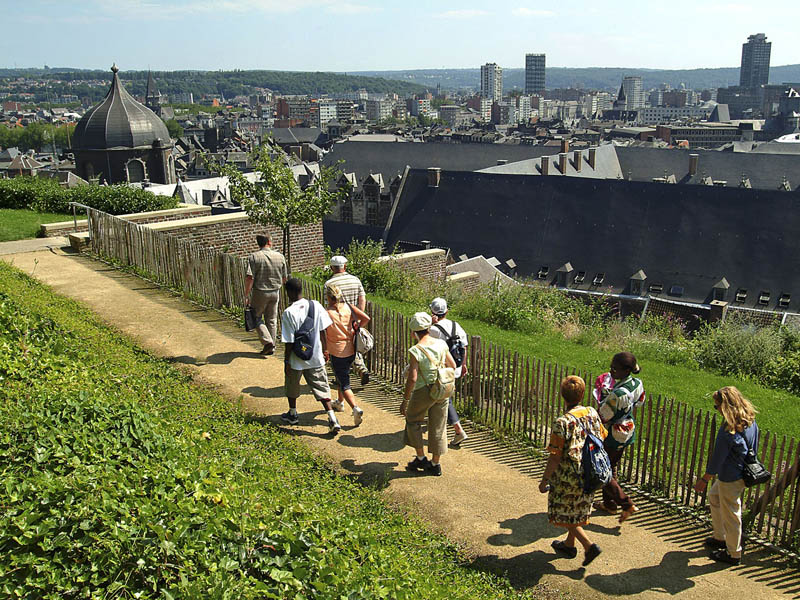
{"points": [[46, 195]]}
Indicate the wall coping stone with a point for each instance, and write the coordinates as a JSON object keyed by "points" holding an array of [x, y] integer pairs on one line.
{"points": [[182, 208], [406, 256], [456, 277], [198, 221]]}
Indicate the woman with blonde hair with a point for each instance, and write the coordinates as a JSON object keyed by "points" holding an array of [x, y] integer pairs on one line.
{"points": [[567, 504], [341, 351], [737, 435]]}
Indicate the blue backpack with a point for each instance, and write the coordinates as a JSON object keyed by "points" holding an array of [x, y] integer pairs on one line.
{"points": [[304, 341], [595, 462]]}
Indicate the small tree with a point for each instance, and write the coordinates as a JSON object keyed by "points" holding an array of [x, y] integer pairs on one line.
{"points": [[275, 198]]}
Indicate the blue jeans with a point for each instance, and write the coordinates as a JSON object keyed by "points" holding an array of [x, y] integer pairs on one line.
{"points": [[452, 415]]}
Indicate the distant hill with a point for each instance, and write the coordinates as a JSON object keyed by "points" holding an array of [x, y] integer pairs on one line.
{"points": [[227, 83], [588, 78]]}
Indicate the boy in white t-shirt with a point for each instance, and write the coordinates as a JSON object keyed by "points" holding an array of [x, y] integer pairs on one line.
{"points": [[312, 369], [443, 328]]}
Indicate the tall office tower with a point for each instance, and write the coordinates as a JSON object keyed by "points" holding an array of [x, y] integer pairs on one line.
{"points": [[492, 81], [755, 61], [534, 74], [634, 94]]}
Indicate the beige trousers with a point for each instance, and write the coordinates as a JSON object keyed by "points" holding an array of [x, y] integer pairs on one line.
{"points": [[266, 304], [420, 406], [725, 499]]}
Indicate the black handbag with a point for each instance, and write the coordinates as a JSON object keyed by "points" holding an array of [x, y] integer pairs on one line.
{"points": [[251, 320], [753, 471]]}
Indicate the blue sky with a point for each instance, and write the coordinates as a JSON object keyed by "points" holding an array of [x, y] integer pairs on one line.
{"points": [[333, 35]]}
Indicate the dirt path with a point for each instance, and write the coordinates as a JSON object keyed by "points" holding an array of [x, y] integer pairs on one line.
{"points": [[487, 499]]}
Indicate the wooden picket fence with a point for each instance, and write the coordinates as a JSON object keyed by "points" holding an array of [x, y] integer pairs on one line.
{"points": [[502, 389]]}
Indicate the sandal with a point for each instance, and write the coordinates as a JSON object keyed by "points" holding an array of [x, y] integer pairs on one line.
{"points": [[598, 505], [626, 514]]}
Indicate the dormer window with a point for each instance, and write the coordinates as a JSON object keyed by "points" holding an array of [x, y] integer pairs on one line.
{"points": [[598, 279], [763, 298], [719, 294], [636, 288], [741, 295], [783, 301], [543, 272], [656, 288], [676, 290], [579, 278]]}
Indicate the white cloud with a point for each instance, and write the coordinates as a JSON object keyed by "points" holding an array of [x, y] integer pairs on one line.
{"points": [[524, 11], [466, 13]]}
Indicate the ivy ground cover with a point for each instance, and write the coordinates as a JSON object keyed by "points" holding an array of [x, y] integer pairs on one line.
{"points": [[121, 478]]}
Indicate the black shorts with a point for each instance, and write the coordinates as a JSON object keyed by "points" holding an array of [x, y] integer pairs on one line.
{"points": [[341, 368]]}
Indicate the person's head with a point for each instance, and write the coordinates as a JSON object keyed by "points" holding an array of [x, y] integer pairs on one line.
{"points": [[438, 309], [622, 365], [294, 288], [419, 324], [264, 240], [572, 390], [338, 263], [333, 295], [737, 410]]}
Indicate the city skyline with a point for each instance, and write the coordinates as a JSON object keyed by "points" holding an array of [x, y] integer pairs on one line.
{"points": [[267, 34]]}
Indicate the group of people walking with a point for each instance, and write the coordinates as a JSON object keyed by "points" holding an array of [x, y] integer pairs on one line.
{"points": [[314, 335]]}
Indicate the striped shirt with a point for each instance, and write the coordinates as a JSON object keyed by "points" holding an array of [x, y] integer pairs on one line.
{"points": [[267, 267], [349, 285]]}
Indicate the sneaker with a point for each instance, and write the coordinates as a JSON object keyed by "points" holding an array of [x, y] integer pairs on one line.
{"points": [[418, 464], [290, 418], [459, 437], [268, 349], [435, 470], [364, 378], [358, 416], [712, 542], [337, 405], [722, 555], [592, 553], [334, 427], [568, 551]]}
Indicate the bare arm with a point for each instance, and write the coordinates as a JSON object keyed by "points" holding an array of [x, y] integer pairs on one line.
{"points": [[248, 287], [448, 361], [550, 468], [411, 381], [363, 318]]}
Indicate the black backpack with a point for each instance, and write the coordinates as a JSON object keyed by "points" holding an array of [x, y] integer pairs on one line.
{"points": [[454, 344], [303, 340]]}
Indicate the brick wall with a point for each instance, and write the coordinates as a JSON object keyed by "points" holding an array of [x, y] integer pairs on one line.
{"points": [[468, 281], [236, 234], [428, 264], [158, 216]]}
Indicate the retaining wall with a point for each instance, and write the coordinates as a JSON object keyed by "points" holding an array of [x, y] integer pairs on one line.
{"points": [[185, 211], [429, 264]]}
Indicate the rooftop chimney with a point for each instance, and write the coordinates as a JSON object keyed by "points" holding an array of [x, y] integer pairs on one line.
{"points": [[693, 160], [545, 165], [592, 157], [577, 160], [563, 159], [564, 145], [434, 176]]}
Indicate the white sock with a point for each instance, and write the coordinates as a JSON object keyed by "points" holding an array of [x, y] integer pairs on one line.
{"points": [[357, 410], [292, 411], [331, 415], [434, 464], [421, 456]]}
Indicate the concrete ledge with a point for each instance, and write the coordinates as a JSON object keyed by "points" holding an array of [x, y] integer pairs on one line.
{"points": [[198, 221], [462, 277], [48, 229], [79, 241], [406, 256]]}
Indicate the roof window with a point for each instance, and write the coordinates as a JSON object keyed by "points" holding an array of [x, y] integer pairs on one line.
{"points": [[741, 295], [783, 301], [598, 279], [655, 288], [543, 272], [676, 290], [580, 277], [763, 297]]}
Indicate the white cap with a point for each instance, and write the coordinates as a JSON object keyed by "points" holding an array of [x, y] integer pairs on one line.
{"points": [[338, 261], [420, 322], [439, 306]]}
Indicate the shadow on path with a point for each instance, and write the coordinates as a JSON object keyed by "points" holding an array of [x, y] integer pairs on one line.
{"points": [[526, 570], [524, 530], [381, 442], [260, 392]]}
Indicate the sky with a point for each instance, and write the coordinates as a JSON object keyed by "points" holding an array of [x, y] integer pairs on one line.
{"points": [[360, 35]]}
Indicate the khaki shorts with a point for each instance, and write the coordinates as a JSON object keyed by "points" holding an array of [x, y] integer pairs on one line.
{"points": [[316, 379]]}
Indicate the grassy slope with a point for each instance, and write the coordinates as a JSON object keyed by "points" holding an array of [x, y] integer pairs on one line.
{"points": [[779, 410], [20, 224], [121, 476]]}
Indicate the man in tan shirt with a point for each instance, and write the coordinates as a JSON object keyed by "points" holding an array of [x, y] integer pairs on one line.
{"points": [[266, 273]]}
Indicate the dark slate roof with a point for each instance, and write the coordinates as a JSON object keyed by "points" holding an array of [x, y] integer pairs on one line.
{"points": [[391, 158], [297, 135], [679, 235], [119, 121], [765, 171]]}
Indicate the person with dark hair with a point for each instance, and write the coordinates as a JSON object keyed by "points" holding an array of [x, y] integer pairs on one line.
{"points": [[618, 398], [426, 356], [266, 273], [737, 434], [312, 369], [568, 505]]}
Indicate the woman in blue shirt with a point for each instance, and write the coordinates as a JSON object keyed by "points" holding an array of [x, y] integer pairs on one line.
{"points": [[738, 433]]}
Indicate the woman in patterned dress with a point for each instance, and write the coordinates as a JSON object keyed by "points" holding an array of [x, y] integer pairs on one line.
{"points": [[567, 504]]}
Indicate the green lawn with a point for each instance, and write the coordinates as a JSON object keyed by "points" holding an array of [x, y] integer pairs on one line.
{"points": [[779, 410], [124, 479], [21, 224]]}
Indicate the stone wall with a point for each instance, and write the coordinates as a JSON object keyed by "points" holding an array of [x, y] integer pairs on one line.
{"points": [[428, 264], [235, 233], [156, 216], [468, 281]]}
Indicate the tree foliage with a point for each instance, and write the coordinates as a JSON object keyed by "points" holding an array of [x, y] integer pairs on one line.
{"points": [[36, 136]]}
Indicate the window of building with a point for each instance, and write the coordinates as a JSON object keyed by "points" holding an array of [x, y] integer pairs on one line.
{"points": [[543, 272], [347, 212], [372, 214], [656, 288], [598, 279], [135, 170], [784, 300], [741, 295], [580, 277], [763, 297]]}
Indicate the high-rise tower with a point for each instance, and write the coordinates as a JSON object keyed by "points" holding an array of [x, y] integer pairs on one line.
{"points": [[534, 73], [755, 61], [492, 81]]}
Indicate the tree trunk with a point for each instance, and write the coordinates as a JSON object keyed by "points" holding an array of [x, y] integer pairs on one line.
{"points": [[287, 248]]}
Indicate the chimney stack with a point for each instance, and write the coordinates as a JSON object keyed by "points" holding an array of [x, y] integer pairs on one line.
{"points": [[545, 165], [564, 145], [434, 176], [693, 160], [563, 159], [577, 159], [592, 157]]}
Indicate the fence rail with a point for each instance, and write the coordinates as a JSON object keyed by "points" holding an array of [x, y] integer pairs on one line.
{"points": [[503, 389]]}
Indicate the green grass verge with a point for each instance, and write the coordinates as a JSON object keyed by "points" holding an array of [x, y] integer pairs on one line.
{"points": [[779, 411], [21, 224], [121, 478]]}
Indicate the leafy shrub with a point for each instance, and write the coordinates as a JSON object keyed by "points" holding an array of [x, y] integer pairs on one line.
{"points": [[46, 195]]}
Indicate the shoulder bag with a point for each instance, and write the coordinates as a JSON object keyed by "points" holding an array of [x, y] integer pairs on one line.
{"points": [[445, 383], [753, 471], [362, 339]]}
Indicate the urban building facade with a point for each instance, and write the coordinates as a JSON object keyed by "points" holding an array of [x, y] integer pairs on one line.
{"points": [[754, 71], [492, 81], [534, 73], [634, 93]]}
